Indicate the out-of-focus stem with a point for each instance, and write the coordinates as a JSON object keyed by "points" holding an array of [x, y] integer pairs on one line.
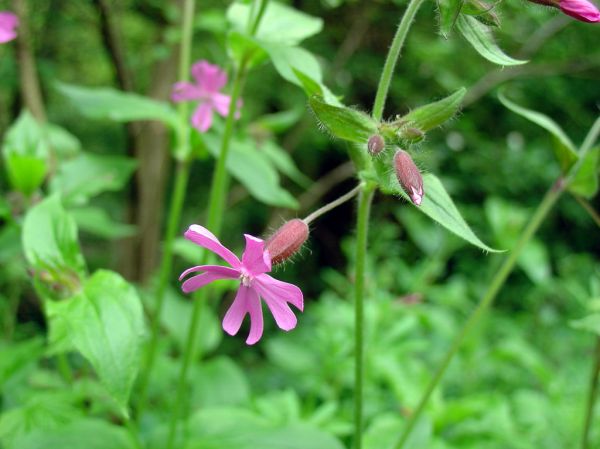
{"points": [[591, 400]]}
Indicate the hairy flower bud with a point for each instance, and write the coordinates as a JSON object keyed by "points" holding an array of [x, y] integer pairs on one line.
{"points": [[582, 10], [409, 176], [375, 145], [412, 134], [287, 240]]}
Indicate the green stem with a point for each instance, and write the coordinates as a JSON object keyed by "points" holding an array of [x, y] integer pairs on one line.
{"points": [[216, 208], [362, 231], [177, 199], [392, 57], [497, 282], [591, 400], [65, 368], [259, 16]]}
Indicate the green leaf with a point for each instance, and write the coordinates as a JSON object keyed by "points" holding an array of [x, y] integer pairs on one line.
{"points": [[280, 23], [86, 176], [62, 143], [25, 154], [96, 221], [564, 149], [220, 383], [342, 122], [480, 37], [435, 114], [286, 59], [89, 433], [16, 356], [111, 104], [105, 324], [585, 182], [590, 323], [240, 46], [50, 238], [284, 163], [253, 170], [448, 12], [438, 205]]}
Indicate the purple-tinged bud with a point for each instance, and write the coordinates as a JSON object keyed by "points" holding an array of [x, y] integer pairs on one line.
{"points": [[412, 134], [409, 176], [287, 240], [375, 145], [582, 10]]}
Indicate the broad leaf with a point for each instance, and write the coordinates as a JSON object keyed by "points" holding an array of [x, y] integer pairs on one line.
{"points": [[438, 205], [25, 154], [50, 239], [253, 170], [342, 122], [89, 433], [480, 37], [448, 15], [86, 176], [284, 163], [590, 323], [435, 114], [62, 143], [96, 221], [564, 149], [220, 383], [585, 182], [287, 58], [280, 23], [105, 323], [111, 104]]}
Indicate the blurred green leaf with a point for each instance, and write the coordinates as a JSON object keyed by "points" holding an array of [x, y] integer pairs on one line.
{"points": [[111, 104], [89, 433], [438, 205], [62, 143], [590, 323], [220, 383], [585, 182], [284, 163], [50, 238], [25, 154], [385, 430], [106, 325], [88, 175], [480, 37], [343, 122], [564, 149], [15, 357], [435, 114], [96, 221], [279, 24]]}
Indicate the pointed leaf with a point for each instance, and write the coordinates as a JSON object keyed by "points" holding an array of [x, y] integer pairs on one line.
{"points": [[111, 104], [105, 324], [585, 182], [435, 114], [448, 14], [343, 122], [438, 205], [480, 37], [564, 149]]}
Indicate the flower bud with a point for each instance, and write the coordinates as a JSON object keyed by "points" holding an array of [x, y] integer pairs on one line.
{"points": [[287, 240], [409, 176], [375, 145], [582, 10], [412, 134]]}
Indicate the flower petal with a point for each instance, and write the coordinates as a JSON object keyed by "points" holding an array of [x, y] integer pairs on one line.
{"points": [[184, 91], [195, 282], [237, 311], [256, 317], [221, 103], [8, 25], [206, 239], [283, 290], [284, 317], [255, 259], [203, 117], [209, 77], [225, 272]]}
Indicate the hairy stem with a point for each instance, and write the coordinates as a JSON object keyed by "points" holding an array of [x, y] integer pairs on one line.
{"points": [[177, 199], [392, 57], [365, 198]]}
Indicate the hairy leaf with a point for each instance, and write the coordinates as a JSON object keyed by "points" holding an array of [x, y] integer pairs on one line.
{"points": [[343, 122]]}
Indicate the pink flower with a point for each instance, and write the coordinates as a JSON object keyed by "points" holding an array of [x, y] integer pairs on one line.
{"points": [[581, 10], [210, 79], [8, 26], [254, 284]]}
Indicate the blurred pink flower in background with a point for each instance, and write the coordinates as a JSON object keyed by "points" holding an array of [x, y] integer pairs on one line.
{"points": [[254, 284], [209, 80], [8, 26], [581, 10]]}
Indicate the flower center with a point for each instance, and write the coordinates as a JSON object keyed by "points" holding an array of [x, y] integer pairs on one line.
{"points": [[246, 278]]}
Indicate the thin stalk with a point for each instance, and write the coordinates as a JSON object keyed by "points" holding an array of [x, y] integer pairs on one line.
{"points": [[64, 368], [591, 400], [341, 200], [392, 57], [261, 11], [216, 206], [494, 287], [589, 209], [177, 199], [365, 198]]}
